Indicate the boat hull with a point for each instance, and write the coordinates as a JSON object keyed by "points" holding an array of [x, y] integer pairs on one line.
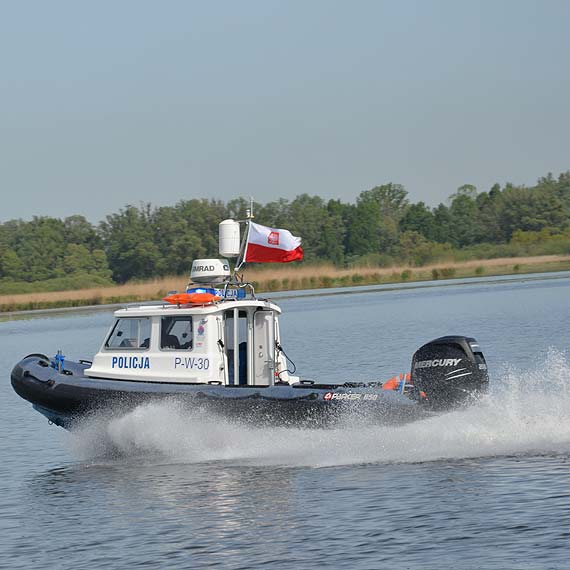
{"points": [[68, 397]]}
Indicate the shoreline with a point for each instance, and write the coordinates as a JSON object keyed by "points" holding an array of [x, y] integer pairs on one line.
{"points": [[533, 272]]}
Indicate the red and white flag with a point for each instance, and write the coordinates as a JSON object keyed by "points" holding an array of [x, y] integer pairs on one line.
{"points": [[271, 245]]}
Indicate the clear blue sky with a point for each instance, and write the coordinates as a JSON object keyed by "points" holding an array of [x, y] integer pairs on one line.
{"points": [[108, 103]]}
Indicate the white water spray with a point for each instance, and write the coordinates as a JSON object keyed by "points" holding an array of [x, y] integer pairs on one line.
{"points": [[527, 412]]}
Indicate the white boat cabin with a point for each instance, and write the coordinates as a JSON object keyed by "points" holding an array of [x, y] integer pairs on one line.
{"points": [[228, 342]]}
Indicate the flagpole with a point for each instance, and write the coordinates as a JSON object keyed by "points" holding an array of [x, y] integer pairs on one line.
{"points": [[248, 218]]}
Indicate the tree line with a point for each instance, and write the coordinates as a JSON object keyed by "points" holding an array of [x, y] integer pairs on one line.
{"points": [[382, 228]]}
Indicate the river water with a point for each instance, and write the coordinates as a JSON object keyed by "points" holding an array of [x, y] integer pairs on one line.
{"points": [[487, 487]]}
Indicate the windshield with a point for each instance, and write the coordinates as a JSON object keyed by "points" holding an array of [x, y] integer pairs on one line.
{"points": [[131, 332]]}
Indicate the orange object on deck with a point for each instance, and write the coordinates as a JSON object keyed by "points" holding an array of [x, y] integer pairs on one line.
{"points": [[394, 382], [191, 298], [391, 384]]}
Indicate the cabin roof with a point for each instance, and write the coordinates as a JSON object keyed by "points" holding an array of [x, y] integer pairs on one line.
{"points": [[148, 310]]}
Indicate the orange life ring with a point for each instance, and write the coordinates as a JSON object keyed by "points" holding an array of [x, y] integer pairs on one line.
{"points": [[191, 298]]}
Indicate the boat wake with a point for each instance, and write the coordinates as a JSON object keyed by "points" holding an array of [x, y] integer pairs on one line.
{"points": [[527, 413]]}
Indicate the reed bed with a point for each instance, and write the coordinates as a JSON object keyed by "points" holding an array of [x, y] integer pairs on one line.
{"points": [[152, 289], [291, 278], [325, 270], [288, 277]]}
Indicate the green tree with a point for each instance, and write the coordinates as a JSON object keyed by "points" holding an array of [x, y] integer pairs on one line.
{"points": [[559, 187], [414, 248], [334, 232], [203, 217], [419, 218], [177, 242], [78, 259], [40, 244], [490, 206], [274, 214], [11, 266], [443, 224], [530, 209], [79, 231], [464, 229], [307, 218], [129, 244], [391, 199], [374, 224]]}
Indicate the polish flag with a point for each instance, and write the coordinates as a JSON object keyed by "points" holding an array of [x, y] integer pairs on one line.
{"points": [[271, 245]]}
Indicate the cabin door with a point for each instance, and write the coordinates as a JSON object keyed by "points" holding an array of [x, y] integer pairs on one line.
{"points": [[236, 325], [249, 345], [264, 348]]}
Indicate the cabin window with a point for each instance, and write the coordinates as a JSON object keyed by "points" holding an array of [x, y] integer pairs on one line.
{"points": [[176, 333], [130, 333]]}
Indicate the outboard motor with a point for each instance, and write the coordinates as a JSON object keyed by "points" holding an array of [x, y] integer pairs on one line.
{"points": [[451, 371]]}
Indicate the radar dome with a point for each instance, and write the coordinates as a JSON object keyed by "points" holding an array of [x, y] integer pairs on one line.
{"points": [[210, 271]]}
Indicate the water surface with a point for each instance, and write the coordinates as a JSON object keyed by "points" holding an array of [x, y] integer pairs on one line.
{"points": [[481, 488]]}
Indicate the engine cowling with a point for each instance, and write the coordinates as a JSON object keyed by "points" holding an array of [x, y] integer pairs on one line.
{"points": [[451, 371]]}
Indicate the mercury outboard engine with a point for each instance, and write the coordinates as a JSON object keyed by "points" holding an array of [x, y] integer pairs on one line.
{"points": [[450, 371]]}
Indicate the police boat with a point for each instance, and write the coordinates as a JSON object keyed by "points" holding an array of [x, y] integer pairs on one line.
{"points": [[217, 348]]}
